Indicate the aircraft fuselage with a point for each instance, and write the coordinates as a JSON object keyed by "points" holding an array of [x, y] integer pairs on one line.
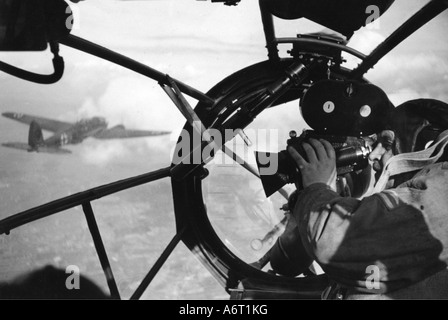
{"points": [[78, 133]]}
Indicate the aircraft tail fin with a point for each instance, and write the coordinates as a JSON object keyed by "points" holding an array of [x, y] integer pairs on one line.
{"points": [[35, 136], [36, 142]]}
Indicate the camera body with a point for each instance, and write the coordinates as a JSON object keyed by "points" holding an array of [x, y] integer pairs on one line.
{"points": [[351, 152], [351, 155]]}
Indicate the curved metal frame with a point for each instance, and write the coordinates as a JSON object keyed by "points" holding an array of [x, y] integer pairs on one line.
{"points": [[423, 16], [58, 65]]}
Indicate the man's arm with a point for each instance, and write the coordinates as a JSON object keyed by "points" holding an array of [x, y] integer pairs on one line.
{"points": [[347, 236], [288, 256], [324, 218]]}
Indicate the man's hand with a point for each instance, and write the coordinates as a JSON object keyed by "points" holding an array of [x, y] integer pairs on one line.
{"points": [[321, 164]]}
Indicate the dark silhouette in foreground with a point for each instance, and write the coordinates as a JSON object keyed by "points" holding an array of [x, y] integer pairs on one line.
{"points": [[49, 283]]}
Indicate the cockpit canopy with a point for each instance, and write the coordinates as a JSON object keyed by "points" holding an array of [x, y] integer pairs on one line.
{"points": [[99, 121], [94, 122]]}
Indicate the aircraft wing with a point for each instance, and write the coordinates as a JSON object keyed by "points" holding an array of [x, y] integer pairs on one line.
{"points": [[120, 132], [45, 124], [17, 145], [43, 149]]}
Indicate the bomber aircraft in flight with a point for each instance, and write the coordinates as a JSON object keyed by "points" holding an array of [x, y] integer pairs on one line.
{"points": [[69, 133]]}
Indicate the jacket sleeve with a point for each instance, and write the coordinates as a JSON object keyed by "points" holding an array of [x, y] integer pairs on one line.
{"points": [[324, 218], [346, 236]]}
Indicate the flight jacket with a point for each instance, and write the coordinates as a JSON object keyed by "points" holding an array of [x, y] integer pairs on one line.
{"points": [[385, 242]]}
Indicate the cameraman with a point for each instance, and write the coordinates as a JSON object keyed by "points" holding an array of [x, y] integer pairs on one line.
{"points": [[392, 244]]}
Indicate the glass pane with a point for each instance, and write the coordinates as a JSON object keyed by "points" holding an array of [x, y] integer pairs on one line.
{"points": [[183, 277], [246, 221]]}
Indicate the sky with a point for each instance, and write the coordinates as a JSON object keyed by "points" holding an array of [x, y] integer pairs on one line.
{"points": [[197, 42]]}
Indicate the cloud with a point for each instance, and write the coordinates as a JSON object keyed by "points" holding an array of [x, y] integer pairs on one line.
{"points": [[366, 40], [136, 105], [157, 20], [407, 72], [187, 54], [102, 153], [406, 94], [420, 75]]}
